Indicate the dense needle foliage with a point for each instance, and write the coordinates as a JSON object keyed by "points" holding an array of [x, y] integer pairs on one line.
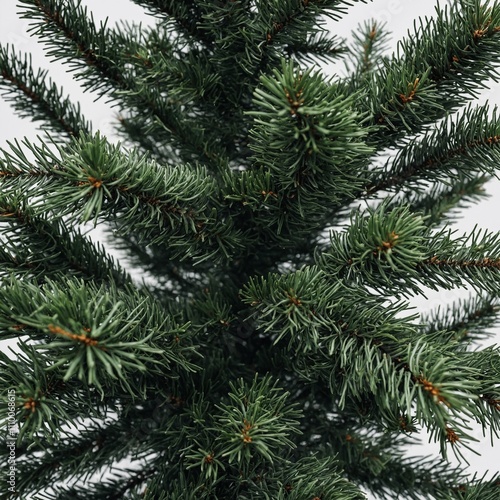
{"points": [[284, 220]]}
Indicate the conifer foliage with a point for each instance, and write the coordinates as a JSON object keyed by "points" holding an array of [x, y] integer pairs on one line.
{"points": [[268, 356]]}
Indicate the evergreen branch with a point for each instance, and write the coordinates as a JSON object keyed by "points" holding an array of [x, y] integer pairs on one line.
{"points": [[340, 342], [381, 249], [316, 47], [369, 455], [262, 426], [163, 135], [393, 250], [437, 69], [97, 334], [309, 477], [44, 402], [376, 461], [478, 488], [283, 17], [465, 320], [290, 16], [170, 86], [36, 97], [171, 276], [468, 144], [192, 80], [257, 422], [426, 362], [275, 27], [471, 259], [60, 22], [366, 55], [131, 130], [104, 439], [135, 479], [188, 86], [236, 245], [455, 400], [443, 202], [174, 204], [107, 70], [314, 131], [299, 114], [43, 249], [112, 488]]}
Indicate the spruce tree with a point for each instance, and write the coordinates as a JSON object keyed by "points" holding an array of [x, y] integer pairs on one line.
{"points": [[286, 220]]}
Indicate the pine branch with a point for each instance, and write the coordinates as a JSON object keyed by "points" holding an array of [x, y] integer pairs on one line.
{"points": [[395, 250], [177, 87], [63, 22], [374, 455], [310, 477], [444, 202], [318, 47], [40, 249], [36, 97], [112, 488], [479, 488], [255, 158], [357, 348], [97, 334], [289, 16], [471, 259], [372, 461], [366, 55], [381, 249], [311, 127], [465, 320], [437, 69], [466, 145], [104, 68], [87, 180], [91, 452], [44, 401]]}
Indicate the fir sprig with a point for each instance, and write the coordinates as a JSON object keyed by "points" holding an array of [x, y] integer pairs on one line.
{"points": [[99, 335], [368, 50], [465, 145], [312, 128], [36, 96], [397, 247], [438, 68], [56, 25], [357, 356], [446, 199], [91, 183], [186, 17], [96, 55], [465, 320], [41, 249]]}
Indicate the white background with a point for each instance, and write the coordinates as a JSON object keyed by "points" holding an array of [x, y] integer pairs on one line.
{"points": [[397, 14]]}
